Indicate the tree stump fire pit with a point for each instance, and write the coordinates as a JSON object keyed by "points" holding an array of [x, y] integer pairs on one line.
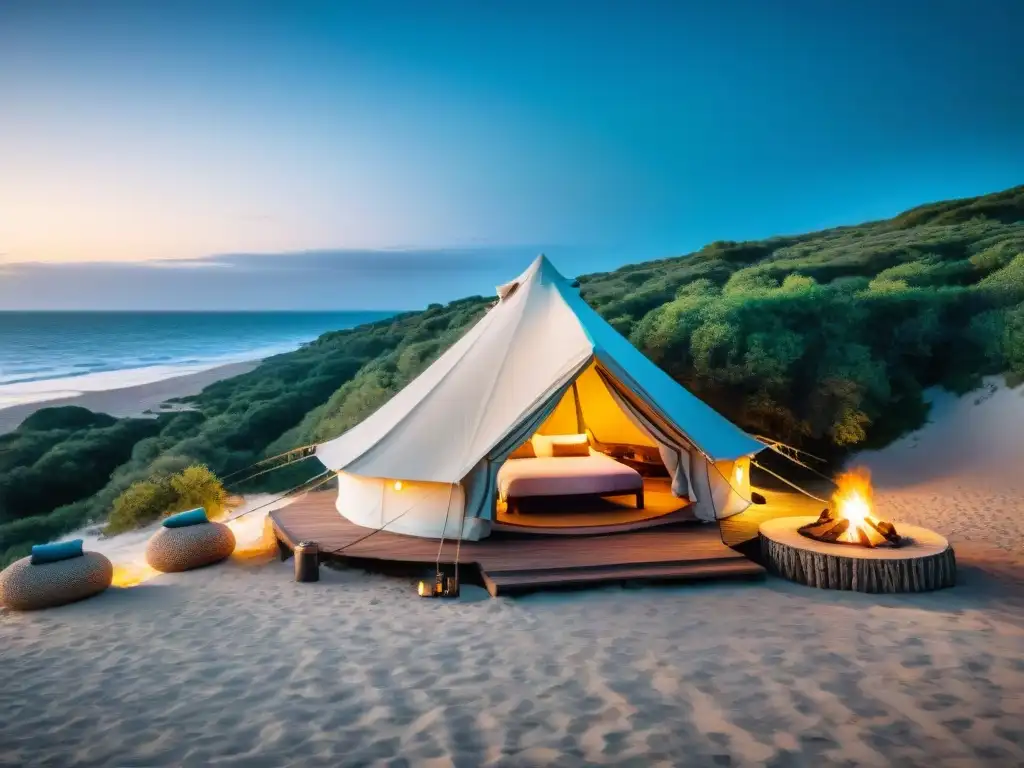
{"points": [[848, 547], [922, 562]]}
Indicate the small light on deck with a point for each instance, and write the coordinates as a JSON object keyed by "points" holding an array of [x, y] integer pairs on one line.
{"points": [[398, 485], [428, 589], [443, 586], [739, 473]]}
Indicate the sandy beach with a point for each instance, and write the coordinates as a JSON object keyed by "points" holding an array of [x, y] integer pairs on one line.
{"points": [[129, 401], [239, 665], [963, 472]]}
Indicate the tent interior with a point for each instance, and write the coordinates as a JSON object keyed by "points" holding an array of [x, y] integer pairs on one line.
{"points": [[589, 426]]}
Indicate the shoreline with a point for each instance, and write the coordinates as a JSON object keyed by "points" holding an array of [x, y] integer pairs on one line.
{"points": [[131, 401]]}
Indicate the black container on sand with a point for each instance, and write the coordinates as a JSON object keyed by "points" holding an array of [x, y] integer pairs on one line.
{"points": [[307, 561]]}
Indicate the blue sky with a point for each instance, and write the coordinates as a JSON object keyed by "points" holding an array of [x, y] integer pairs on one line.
{"points": [[357, 155]]}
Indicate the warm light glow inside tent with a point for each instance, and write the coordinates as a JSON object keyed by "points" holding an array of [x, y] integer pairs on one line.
{"points": [[540, 362], [588, 405]]}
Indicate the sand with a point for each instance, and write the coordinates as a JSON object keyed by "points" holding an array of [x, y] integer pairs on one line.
{"points": [[239, 665], [963, 473], [129, 401]]}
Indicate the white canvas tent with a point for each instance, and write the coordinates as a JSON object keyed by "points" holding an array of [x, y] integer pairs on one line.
{"points": [[426, 462]]}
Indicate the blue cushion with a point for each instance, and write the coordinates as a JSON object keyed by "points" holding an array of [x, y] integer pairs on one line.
{"points": [[52, 553], [183, 519]]}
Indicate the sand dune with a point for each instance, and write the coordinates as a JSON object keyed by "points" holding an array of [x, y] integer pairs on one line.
{"points": [[963, 473], [239, 665]]}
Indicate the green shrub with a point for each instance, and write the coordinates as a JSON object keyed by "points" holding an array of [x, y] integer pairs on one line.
{"points": [[146, 501], [141, 504], [197, 486]]}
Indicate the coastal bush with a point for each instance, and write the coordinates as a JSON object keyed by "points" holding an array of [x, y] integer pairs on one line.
{"points": [[197, 486], [65, 417], [142, 503], [60, 455], [146, 501]]}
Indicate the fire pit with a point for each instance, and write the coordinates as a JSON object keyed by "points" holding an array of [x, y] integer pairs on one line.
{"points": [[847, 547], [850, 518]]}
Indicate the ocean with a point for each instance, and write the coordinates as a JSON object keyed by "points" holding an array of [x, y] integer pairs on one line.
{"points": [[50, 355]]}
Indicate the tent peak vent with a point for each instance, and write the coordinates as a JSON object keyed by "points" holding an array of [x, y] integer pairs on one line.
{"points": [[506, 290]]}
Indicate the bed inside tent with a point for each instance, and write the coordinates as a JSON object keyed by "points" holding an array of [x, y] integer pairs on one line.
{"points": [[594, 463]]}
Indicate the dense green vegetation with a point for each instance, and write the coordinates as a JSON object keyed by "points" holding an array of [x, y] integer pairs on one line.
{"points": [[826, 339], [146, 501], [59, 455]]}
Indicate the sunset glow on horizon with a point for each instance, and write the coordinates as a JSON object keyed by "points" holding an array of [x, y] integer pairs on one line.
{"points": [[150, 131]]}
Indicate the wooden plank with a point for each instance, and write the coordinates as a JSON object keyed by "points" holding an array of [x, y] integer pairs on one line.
{"points": [[741, 529], [693, 547], [554, 573], [491, 586], [505, 583]]}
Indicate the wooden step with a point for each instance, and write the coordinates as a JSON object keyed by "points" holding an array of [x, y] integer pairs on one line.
{"points": [[506, 582]]}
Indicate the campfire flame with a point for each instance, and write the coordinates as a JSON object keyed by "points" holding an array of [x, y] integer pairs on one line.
{"points": [[852, 502], [850, 518]]}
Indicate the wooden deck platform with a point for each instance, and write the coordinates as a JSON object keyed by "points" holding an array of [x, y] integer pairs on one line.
{"points": [[588, 515], [519, 562]]}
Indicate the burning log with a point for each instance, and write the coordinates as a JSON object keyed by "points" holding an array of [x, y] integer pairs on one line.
{"points": [[849, 519], [833, 528]]}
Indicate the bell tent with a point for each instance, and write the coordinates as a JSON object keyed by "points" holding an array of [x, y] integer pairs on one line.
{"points": [[541, 361]]}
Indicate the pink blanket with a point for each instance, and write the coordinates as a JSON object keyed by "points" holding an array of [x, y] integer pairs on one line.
{"points": [[566, 475]]}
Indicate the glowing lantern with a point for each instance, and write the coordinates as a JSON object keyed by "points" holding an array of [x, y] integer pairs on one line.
{"points": [[398, 485], [443, 586], [738, 473]]}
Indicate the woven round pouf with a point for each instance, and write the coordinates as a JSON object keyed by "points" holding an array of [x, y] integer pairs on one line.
{"points": [[182, 549], [27, 587]]}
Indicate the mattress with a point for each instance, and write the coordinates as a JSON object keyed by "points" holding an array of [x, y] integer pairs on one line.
{"points": [[566, 475]]}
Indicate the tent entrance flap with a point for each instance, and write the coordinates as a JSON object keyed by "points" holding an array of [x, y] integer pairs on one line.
{"points": [[718, 489]]}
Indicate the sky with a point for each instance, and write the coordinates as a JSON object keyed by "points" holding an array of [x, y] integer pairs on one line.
{"points": [[305, 155]]}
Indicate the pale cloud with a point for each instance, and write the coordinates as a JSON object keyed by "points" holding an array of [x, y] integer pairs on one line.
{"points": [[340, 279]]}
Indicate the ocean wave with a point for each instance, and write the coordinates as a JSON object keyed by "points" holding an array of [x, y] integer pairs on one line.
{"points": [[45, 373], [52, 356], [20, 392]]}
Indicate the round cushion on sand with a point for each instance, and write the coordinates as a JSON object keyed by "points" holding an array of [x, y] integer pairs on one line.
{"points": [[182, 549], [26, 587]]}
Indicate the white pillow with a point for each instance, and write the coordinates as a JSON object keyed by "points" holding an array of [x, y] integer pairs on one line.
{"points": [[543, 444]]}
